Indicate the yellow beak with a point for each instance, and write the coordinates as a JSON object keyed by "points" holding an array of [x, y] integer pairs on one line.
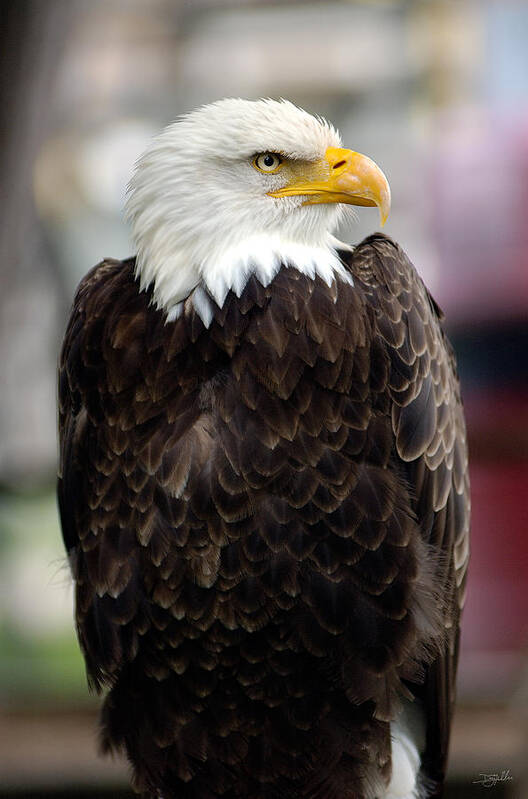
{"points": [[342, 176]]}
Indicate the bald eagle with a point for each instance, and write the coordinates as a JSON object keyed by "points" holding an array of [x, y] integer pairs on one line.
{"points": [[263, 483]]}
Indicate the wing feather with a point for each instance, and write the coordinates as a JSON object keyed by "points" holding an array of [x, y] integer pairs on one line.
{"points": [[428, 424], [123, 465]]}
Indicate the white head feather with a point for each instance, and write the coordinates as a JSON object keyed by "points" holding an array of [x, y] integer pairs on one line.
{"points": [[200, 212]]}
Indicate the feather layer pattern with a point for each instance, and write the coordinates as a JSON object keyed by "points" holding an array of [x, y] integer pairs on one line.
{"points": [[267, 524]]}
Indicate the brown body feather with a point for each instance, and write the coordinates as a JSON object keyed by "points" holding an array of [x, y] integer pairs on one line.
{"points": [[267, 523]]}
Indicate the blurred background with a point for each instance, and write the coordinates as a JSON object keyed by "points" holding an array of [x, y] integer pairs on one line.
{"points": [[437, 93]]}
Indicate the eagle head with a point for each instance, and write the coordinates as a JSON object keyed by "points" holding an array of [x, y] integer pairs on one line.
{"points": [[241, 186]]}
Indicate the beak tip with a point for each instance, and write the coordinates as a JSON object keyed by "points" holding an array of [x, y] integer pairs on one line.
{"points": [[384, 206]]}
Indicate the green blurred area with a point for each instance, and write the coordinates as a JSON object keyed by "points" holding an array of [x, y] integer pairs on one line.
{"points": [[41, 662]]}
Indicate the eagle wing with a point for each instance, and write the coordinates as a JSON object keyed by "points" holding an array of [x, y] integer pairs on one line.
{"points": [[430, 435], [132, 438]]}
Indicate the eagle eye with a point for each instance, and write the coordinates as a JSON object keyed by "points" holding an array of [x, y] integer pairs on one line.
{"points": [[268, 162]]}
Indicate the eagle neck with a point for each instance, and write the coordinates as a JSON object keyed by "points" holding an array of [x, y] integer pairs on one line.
{"points": [[207, 283]]}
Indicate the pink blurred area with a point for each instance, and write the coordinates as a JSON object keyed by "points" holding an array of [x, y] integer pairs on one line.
{"points": [[479, 214]]}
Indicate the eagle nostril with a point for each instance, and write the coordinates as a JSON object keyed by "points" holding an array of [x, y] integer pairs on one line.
{"points": [[339, 163]]}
